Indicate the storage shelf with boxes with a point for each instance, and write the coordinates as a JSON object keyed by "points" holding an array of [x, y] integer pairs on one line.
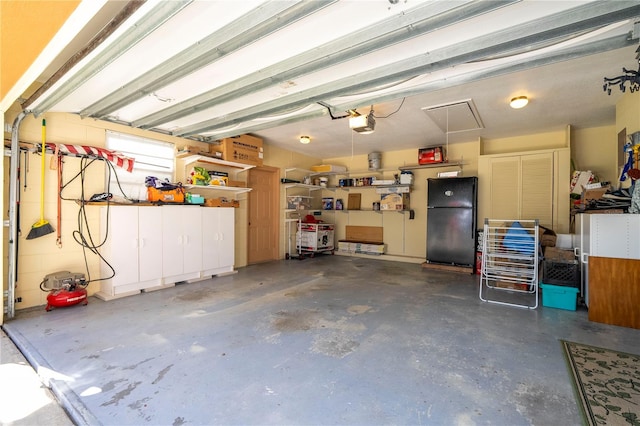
{"points": [[245, 149], [363, 240]]}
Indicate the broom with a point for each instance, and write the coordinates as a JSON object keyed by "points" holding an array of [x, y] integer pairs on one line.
{"points": [[41, 227]]}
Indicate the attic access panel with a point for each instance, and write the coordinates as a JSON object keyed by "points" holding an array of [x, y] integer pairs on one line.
{"points": [[460, 116]]}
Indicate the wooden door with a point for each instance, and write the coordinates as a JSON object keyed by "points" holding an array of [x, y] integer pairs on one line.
{"points": [[264, 223]]}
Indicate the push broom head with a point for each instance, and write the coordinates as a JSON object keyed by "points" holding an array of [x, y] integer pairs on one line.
{"points": [[41, 227]]}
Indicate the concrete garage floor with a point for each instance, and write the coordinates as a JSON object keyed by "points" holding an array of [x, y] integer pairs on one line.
{"points": [[326, 340]]}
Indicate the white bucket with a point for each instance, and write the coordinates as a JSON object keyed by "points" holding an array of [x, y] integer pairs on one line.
{"points": [[374, 160]]}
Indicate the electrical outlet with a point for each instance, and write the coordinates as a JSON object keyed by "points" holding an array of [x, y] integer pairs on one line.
{"points": [[18, 299]]}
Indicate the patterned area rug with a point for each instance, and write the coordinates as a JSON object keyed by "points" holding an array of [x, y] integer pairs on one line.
{"points": [[607, 383]]}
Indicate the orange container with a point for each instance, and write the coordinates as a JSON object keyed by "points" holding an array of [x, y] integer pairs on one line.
{"points": [[170, 196]]}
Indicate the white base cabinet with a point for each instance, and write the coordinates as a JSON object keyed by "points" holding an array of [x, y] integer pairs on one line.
{"points": [[605, 235], [153, 247], [181, 242], [218, 230]]}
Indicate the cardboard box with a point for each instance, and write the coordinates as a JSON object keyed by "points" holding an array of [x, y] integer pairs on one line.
{"points": [[548, 237], [327, 203], [554, 253], [221, 202], [394, 202], [364, 234], [237, 183], [244, 149], [361, 248], [593, 194], [346, 247], [394, 190], [353, 202], [512, 285], [369, 248], [219, 181]]}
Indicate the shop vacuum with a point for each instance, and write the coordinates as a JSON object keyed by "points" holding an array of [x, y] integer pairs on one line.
{"points": [[65, 289]]}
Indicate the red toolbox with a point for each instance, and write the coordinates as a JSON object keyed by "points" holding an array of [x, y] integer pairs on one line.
{"points": [[431, 155]]}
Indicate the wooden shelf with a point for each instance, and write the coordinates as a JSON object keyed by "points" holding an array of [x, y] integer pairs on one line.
{"points": [[234, 189], [305, 186], [211, 160], [348, 188], [370, 211], [430, 166]]}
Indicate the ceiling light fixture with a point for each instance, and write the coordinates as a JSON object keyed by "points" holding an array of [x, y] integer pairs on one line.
{"points": [[519, 102], [305, 139], [631, 76], [364, 124]]}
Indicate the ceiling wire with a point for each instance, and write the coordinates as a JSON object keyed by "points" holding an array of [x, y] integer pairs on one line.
{"points": [[389, 115], [328, 107]]}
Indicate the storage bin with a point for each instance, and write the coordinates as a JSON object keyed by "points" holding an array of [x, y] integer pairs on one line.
{"points": [[168, 196], [561, 272], [559, 297]]}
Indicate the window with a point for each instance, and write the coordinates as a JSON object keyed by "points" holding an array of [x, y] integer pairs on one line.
{"points": [[152, 158]]}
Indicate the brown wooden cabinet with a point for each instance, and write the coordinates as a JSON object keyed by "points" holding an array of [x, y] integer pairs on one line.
{"points": [[614, 291]]}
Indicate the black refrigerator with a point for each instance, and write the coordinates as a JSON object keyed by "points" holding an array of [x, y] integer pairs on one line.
{"points": [[452, 220]]}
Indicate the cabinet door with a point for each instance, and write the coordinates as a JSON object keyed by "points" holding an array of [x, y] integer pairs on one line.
{"points": [[210, 237], [121, 249], [227, 237], [505, 188], [522, 187], [192, 238], [150, 243], [536, 199], [218, 230], [172, 241]]}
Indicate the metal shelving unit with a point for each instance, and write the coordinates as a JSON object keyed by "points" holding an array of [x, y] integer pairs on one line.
{"points": [[302, 193], [510, 255], [232, 167]]}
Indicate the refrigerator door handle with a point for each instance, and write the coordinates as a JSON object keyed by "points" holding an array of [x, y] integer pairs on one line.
{"points": [[584, 257]]}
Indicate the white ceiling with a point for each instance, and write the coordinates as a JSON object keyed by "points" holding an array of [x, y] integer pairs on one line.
{"points": [[281, 69]]}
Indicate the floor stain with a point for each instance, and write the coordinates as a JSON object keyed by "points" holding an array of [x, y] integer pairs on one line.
{"points": [[304, 292], [142, 403], [178, 421], [337, 345], [195, 295], [161, 374], [358, 309], [119, 396], [134, 366], [109, 386], [294, 321], [91, 357]]}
